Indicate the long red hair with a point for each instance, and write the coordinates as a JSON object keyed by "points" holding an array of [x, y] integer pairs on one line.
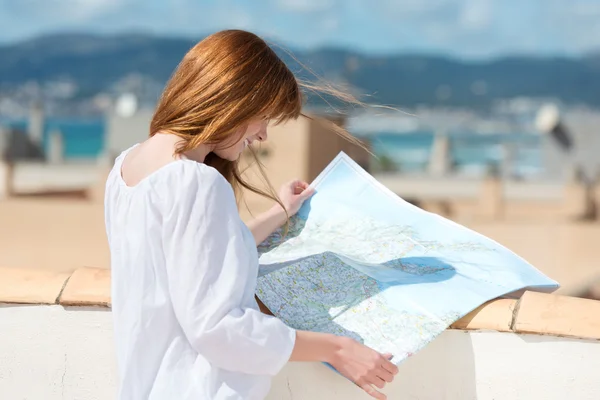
{"points": [[223, 82]]}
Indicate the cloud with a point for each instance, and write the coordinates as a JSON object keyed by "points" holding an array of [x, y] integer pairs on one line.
{"points": [[86, 9], [586, 8], [482, 28], [330, 24], [305, 6], [25, 18], [406, 9], [241, 20], [62, 10], [476, 14]]}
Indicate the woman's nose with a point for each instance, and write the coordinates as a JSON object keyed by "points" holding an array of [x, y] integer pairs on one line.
{"points": [[262, 135]]}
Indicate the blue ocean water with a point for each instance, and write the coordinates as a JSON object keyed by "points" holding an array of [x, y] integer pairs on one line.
{"points": [[84, 138], [469, 150]]}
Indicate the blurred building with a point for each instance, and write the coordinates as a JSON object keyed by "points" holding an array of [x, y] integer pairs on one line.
{"points": [[123, 131], [572, 145], [24, 145]]}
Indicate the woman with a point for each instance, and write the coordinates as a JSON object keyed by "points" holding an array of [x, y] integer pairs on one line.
{"points": [[184, 265]]}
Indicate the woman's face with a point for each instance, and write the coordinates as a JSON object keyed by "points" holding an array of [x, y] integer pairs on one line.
{"points": [[255, 130]]}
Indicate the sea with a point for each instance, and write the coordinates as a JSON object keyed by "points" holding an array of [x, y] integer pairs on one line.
{"points": [[471, 152], [82, 138]]}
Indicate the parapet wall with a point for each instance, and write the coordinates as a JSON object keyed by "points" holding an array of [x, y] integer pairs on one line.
{"points": [[56, 342]]}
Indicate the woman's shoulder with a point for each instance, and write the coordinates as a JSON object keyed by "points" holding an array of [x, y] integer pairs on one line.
{"points": [[190, 178]]}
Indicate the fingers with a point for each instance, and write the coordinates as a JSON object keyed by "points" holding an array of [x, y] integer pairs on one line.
{"points": [[308, 192], [302, 184], [385, 375], [387, 370], [388, 365], [380, 377], [297, 188], [372, 392], [302, 188], [298, 184], [377, 381]]}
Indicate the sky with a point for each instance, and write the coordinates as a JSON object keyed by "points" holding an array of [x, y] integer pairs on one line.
{"points": [[463, 28]]}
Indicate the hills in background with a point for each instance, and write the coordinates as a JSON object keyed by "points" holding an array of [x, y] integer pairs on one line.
{"points": [[102, 64]]}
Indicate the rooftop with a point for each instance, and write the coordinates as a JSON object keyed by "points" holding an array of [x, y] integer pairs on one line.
{"points": [[533, 312]]}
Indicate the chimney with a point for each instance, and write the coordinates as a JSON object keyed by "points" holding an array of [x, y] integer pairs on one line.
{"points": [[440, 158], [36, 123], [55, 147]]}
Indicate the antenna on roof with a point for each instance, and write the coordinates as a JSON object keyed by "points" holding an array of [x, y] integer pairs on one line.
{"points": [[548, 121]]}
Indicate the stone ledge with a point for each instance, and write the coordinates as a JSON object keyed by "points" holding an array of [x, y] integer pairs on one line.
{"points": [[535, 313], [496, 315], [31, 286], [87, 287], [558, 316]]}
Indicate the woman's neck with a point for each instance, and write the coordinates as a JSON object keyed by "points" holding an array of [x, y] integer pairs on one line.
{"points": [[199, 153]]}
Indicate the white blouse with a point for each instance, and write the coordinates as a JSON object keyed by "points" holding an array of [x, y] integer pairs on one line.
{"points": [[184, 271]]}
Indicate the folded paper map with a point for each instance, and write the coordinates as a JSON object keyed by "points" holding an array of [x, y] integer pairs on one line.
{"points": [[359, 261]]}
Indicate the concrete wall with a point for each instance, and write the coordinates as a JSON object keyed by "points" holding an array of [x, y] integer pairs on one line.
{"points": [[51, 353], [32, 177], [48, 353], [5, 180], [467, 199]]}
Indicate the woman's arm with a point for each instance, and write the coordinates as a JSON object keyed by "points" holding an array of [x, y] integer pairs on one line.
{"points": [[267, 223], [357, 362], [207, 264], [360, 364], [292, 195]]}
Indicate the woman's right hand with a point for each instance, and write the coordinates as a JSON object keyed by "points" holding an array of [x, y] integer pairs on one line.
{"points": [[363, 366], [357, 362]]}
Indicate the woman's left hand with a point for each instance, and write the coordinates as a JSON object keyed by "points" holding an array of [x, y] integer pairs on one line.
{"points": [[293, 194]]}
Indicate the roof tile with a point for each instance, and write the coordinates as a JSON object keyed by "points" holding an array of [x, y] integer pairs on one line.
{"points": [[495, 315], [87, 287], [558, 315], [31, 286]]}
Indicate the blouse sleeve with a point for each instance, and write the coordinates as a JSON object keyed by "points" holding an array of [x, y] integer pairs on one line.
{"points": [[207, 266]]}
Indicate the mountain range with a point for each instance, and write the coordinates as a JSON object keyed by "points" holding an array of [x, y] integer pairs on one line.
{"points": [[95, 63]]}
